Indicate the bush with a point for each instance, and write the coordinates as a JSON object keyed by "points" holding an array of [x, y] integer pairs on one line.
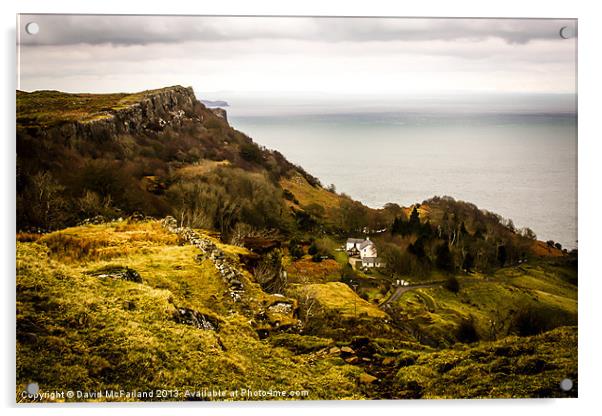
{"points": [[296, 251], [251, 152], [530, 320], [467, 331], [452, 284], [444, 259]]}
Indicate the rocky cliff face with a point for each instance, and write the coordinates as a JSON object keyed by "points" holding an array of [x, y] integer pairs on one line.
{"points": [[220, 112], [153, 111]]}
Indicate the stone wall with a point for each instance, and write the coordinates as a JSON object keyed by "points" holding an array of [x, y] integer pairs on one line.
{"points": [[224, 265]]}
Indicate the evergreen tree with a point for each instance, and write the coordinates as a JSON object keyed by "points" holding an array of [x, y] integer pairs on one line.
{"points": [[468, 262], [414, 219], [444, 259], [502, 255], [417, 248]]}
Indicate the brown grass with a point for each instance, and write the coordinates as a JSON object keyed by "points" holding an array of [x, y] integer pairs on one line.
{"points": [[540, 248], [307, 194], [106, 241], [316, 272], [200, 168], [28, 237]]}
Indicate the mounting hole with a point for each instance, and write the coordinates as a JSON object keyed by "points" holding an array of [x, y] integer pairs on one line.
{"points": [[566, 384], [567, 32], [32, 388], [32, 28]]}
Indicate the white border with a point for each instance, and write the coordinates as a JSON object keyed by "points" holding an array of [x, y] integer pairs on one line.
{"points": [[590, 234]]}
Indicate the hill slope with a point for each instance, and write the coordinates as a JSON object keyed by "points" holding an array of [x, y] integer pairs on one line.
{"points": [[130, 305], [159, 248]]}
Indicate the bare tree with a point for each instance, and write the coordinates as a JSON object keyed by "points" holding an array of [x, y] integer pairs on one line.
{"points": [[308, 306], [47, 204]]}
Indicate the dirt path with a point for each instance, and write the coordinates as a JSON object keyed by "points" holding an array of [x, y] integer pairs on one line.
{"points": [[403, 289]]}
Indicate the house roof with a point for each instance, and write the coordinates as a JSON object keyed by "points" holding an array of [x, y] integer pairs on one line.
{"points": [[355, 240], [366, 243]]}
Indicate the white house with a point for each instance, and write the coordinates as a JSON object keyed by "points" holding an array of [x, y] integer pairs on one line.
{"points": [[366, 250], [353, 243], [372, 262]]}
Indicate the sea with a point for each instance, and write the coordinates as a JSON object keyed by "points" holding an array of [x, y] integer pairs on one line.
{"points": [[518, 162]]}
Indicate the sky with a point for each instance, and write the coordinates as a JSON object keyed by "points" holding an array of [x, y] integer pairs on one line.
{"points": [[298, 56]]}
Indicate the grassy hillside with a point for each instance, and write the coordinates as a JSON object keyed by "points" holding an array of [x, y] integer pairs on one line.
{"points": [[511, 368], [246, 284], [522, 300], [97, 308], [80, 327]]}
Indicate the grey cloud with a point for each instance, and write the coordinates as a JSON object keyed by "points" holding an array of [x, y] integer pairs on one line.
{"points": [[142, 30]]}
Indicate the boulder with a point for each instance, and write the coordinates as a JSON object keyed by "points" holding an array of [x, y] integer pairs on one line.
{"points": [[194, 318], [334, 350], [366, 378], [347, 350], [388, 361], [123, 273]]}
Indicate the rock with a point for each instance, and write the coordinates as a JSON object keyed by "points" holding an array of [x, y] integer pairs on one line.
{"points": [[388, 360], [99, 219], [193, 318], [351, 360], [281, 307], [236, 283], [347, 350], [123, 273], [220, 112], [334, 350], [366, 378]]}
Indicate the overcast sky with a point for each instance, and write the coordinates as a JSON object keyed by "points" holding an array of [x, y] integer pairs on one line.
{"points": [[288, 55]]}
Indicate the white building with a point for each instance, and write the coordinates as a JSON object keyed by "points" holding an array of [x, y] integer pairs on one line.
{"points": [[366, 250], [353, 243]]}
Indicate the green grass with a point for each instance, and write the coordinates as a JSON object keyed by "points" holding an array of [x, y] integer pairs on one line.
{"points": [[79, 331], [491, 303], [48, 108], [340, 298], [511, 368]]}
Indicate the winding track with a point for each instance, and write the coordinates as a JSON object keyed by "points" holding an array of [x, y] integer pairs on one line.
{"points": [[403, 289]]}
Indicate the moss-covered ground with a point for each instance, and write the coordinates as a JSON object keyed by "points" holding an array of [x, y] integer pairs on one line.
{"points": [[82, 327]]}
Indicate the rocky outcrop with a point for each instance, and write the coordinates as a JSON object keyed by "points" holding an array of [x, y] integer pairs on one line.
{"points": [[220, 112], [153, 111], [224, 265], [196, 319], [278, 313], [116, 272]]}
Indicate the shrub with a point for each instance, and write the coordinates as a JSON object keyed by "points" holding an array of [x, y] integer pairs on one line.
{"points": [[531, 320], [467, 331], [444, 259], [69, 247], [295, 250], [452, 284], [251, 152]]}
